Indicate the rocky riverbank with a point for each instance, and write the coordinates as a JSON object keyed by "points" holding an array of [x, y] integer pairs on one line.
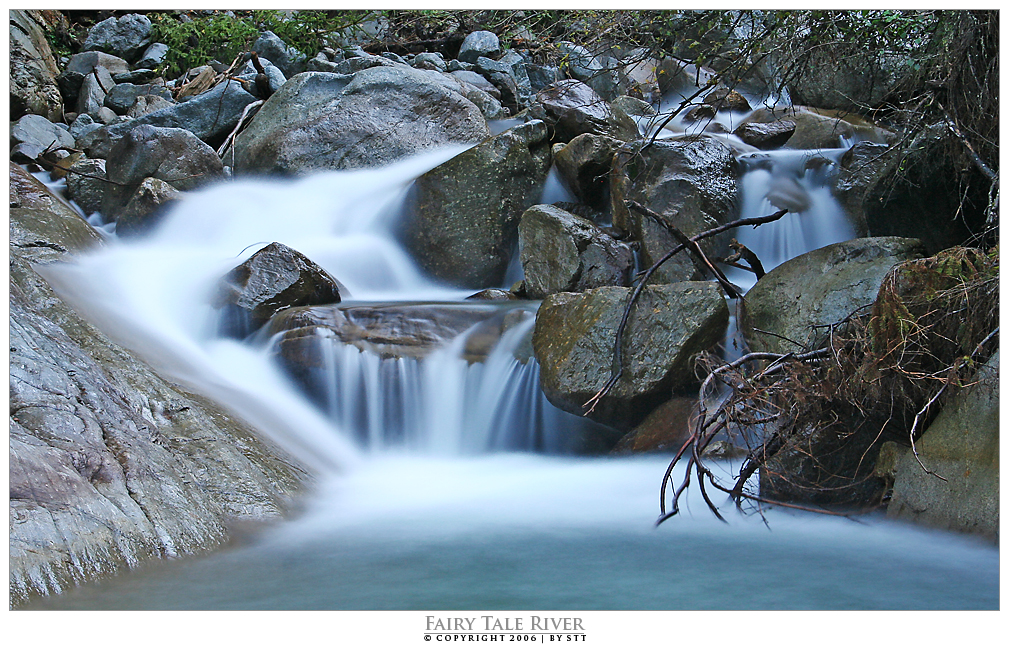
{"points": [[112, 464]]}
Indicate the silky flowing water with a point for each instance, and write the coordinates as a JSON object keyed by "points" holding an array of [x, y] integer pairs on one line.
{"points": [[470, 503]]}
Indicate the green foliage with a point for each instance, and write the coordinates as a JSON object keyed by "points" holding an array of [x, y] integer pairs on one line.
{"points": [[195, 43]]}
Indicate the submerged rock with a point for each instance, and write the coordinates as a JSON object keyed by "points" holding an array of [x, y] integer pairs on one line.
{"points": [[790, 308], [574, 337], [275, 278], [462, 217]]}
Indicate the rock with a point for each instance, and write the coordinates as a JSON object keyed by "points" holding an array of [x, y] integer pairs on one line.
{"points": [[172, 155], [33, 69], [26, 153], [766, 136], [274, 77], [126, 36], [40, 131], [321, 64], [275, 278], [819, 288], [85, 184], [642, 73], [111, 465], [493, 295], [362, 61], [94, 88], [289, 60], [574, 336], [571, 107], [147, 104], [461, 222], [82, 125], [842, 77], [329, 121], [121, 97], [85, 63], [816, 128], [541, 76], [584, 164], [961, 445], [563, 252], [666, 429], [211, 116], [137, 76], [154, 56], [516, 65], [477, 44], [726, 100], [594, 71], [429, 60], [690, 182], [146, 207], [700, 112], [106, 116], [913, 192], [478, 80], [632, 106]]}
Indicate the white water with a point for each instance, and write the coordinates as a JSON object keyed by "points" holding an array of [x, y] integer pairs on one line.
{"points": [[431, 519]]}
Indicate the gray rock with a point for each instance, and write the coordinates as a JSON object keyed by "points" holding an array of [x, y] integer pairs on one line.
{"points": [[274, 75], [598, 72], [95, 86], [321, 64], [563, 252], [462, 217], [766, 136], [961, 445], [842, 77], [632, 106], [396, 58], [816, 128], [153, 56], [85, 184], [690, 183], [477, 44], [138, 76], [541, 76], [571, 107], [574, 336], [665, 429], [126, 36], [82, 125], [287, 58], [106, 116], [364, 61], [147, 104], [121, 97], [479, 81], [84, 62], [33, 69], [329, 121], [27, 153], [147, 207], [172, 155], [584, 164], [456, 65], [40, 131], [275, 278], [819, 288], [429, 60]]}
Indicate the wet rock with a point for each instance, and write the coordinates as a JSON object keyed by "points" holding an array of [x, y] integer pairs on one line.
{"points": [[137, 76], [275, 278], [666, 429], [121, 97], [563, 252], [595, 71], [329, 121], [819, 288], [701, 112], [726, 100], [85, 184], [574, 335], [818, 128], [154, 56], [690, 183], [571, 107], [146, 207], [287, 58], [962, 446], [493, 294], [33, 69], [584, 164], [126, 36], [462, 217], [842, 77], [766, 136], [541, 76], [41, 132], [642, 73], [172, 155], [477, 44]]}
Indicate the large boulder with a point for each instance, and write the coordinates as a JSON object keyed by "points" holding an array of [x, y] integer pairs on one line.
{"points": [[40, 132], [320, 120], [94, 88], [86, 183], [146, 207], [275, 278], [461, 222], [766, 136], [84, 63], [584, 164], [843, 77], [210, 116], [791, 307], [477, 44], [563, 252], [121, 97], [666, 429], [172, 155], [820, 128], [962, 446], [689, 183], [126, 36], [574, 336], [571, 107], [33, 69]]}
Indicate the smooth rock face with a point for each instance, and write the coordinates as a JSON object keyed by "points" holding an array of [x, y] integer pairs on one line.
{"points": [[563, 252], [666, 429], [689, 182], [146, 207], [819, 288], [574, 336], [766, 136], [40, 131], [94, 88], [172, 155], [126, 36], [33, 69], [571, 107], [153, 56], [329, 121], [462, 217], [477, 44], [961, 445], [275, 278]]}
